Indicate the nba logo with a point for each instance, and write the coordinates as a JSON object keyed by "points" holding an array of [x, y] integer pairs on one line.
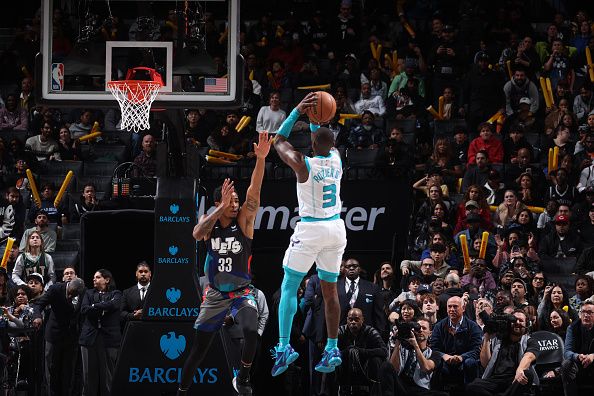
{"points": [[57, 76]]}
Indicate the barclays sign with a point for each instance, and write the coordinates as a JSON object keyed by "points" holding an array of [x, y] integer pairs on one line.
{"points": [[173, 250], [172, 217], [172, 295]]}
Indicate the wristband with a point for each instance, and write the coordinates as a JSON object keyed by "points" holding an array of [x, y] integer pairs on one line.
{"points": [[288, 123]]}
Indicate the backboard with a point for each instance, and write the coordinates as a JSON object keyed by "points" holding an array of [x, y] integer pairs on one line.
{"points": [[193, 45]]}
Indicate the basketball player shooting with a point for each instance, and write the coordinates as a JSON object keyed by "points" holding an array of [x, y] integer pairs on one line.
{"points": [[319, 237], [228, 232]]}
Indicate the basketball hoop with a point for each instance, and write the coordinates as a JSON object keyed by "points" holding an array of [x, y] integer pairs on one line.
{"points": [[135, 98]]}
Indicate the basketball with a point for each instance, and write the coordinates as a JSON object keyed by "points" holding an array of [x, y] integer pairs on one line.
{"points": [[324, 109]]}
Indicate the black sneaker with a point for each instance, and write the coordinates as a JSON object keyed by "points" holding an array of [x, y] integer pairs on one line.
{"points": [[242, 387]]}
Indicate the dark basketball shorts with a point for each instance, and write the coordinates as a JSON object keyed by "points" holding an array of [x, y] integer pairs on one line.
{"points": [[217, 305]]}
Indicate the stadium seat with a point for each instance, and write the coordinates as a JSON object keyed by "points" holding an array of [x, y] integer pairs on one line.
{"points": [[102, 183], [361, 163], [107, 152], [407, 126], [67, 245], [99, 168], [550, 357], [60, 168], [71, 231], [63, 259], [446, 127], [117, 137], [57, 180]]}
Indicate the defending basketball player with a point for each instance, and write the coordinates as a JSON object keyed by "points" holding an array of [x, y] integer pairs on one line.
{"points": [[319, 237], [228, 232]]}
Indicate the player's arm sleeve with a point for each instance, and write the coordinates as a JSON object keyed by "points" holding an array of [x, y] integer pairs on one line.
{"points": [[288, 123]]}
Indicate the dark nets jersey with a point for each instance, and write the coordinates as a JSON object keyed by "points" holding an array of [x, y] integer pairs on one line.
{"points": [[229, 253]]}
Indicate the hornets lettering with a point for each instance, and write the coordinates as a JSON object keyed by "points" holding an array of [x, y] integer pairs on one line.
{"points": [[327, 172], [226, 245]]}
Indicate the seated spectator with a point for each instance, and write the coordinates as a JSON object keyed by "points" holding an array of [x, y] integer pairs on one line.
{"points": [[87, 202], [561, 191], [473, 201], [26, 96], [378, 86], [508, 209], [432, 184], [386, 282], [363, 351], [513, 143], [406, 103], [451, 110], [146, 162], [559, 65], [429, 306], [583, 103], [523, 165], [555, 117], [561, 138], [586, 229], [47, 193], [403, 311], [560, 242], [579, 351], [475, 231], [412, 363], [440, 218], [197, 128], [477, 173], [524, 223], [41, 227], [482, 304], [584, 289], [503, 297], [411, 292], [13, 116], [519, 292], [460, 146], [584, 148], [451, 257], [272, 116], [226, 139], [520, 87], [452, 288], [507, 359], [443, 158], [42, 145], [42, 115], [456, 342], [494, 188], [34, 259], [555, 297], [536, 289], [83, 126], [68, 148], [586, 178], [439, 267], [479, 276], [395, 160], [36, 283], [410, 72], [366, 134], [487, 142], [344, 104], [367, 102], [559, 321]]}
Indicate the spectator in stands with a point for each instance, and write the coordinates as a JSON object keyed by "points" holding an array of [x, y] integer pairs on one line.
{"points": [[289, 52], [69, 273], [584, 149], [559, 321], [456, 342], [363, 351], [356, 292], [83, 126], [586, 178], [479, 276], [34, 259], [503, 297], [473, 201], [42, 115], [47, 193], [7, 220], [366, 134], [344, 30], [514, 142], [367, 102], [487, 142], [554, 297], [473, 231], [447, 60], [507, 359], [26, 97], [87, 202], [483, 95], [100, 333], [133, 298], [396, 159], [508, 209], [519, 293], [43, 146], [344, 104], [561, 138], [13, 116], [386, 282], [443, 158], [584, 289], [68, 148], [410, 72], [536, 288], [196, 128], [561, 191], [410, 292], [583, 103], [518, 88], [579, 351], [494, 188], [477, 173], [562, 242], [558, 65], [586, 229], [555, 117], [42, 228], [378, 86], [410, 368], [146, 162], [61, 333], [460, 145], [271, 117]]}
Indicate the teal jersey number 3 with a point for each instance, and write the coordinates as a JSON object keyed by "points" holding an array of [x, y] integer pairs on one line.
{"points": [[329, 196]]}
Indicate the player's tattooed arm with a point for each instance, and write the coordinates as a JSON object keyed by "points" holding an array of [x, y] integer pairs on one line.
{"points": [[247, 215], [206, 223]]}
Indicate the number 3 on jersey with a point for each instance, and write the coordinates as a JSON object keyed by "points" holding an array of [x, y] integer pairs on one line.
{"points": [[329, 196], [225, 264]]}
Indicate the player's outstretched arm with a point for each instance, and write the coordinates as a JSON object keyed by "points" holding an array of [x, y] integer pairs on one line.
{"points": [[285, 150], [247, 214], [206, 223]]}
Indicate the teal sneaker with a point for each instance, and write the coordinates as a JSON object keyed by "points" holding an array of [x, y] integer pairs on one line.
{"points": [[283, 356], [330, 359]]}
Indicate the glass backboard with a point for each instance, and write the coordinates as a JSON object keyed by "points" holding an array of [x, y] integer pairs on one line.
{"points": [[193, 45]]}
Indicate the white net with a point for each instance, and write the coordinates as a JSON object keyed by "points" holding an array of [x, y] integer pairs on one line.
{"points": [[135, 98]]}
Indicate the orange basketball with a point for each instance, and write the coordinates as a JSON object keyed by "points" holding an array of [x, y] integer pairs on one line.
{"points": [[324, 109]]}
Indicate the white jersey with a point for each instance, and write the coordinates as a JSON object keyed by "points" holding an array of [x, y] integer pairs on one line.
{"points": [[319, 196]]}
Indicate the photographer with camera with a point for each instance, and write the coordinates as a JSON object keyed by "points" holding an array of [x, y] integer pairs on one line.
{"points": [[411, 364], [456, 341], [506, 355], [363, 351]]}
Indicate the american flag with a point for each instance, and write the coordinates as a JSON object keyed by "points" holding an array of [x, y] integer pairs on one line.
{"points": [[215, 84]]}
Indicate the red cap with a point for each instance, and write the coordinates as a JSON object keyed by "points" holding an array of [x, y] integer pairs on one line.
{"points": [[561, 219]]}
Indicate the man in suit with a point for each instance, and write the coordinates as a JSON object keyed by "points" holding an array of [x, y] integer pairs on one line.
{"points": [[61, 333], [355, 292], [133, 298]]}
